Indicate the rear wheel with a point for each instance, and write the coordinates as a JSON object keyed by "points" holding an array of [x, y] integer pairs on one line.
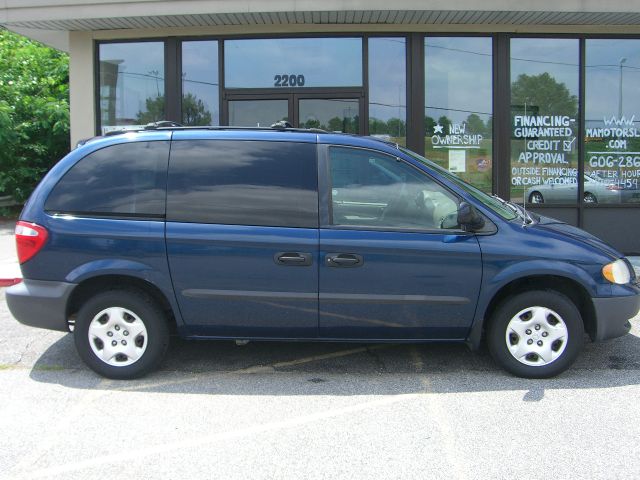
{"points": [[590, 198], [536, 334], [121, 334]]}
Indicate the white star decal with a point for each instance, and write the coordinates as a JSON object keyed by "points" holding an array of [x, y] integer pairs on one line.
{"points": [[438, 129]]}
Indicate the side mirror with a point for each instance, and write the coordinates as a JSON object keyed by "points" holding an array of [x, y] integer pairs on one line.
{"points": [[469, 218]]}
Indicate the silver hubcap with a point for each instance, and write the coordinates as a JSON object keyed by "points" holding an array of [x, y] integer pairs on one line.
{"points": [[117, 336], [536, 336]]}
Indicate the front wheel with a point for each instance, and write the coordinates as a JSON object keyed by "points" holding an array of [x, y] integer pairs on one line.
{"points": [[536, 197], [536, 334], [121, 334]]}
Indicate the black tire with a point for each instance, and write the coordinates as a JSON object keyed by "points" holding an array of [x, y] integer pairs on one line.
{"points": [[569, 348], [155, 341], [589, 198]]}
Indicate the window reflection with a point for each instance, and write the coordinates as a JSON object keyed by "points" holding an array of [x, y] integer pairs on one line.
{"points": [[612, 138], [243, 183], [544, 116], [200, 83], [458, 106], [293, 62], [131, 84], [388, 89], [334, 115]]}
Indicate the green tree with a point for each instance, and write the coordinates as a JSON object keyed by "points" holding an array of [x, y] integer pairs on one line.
{"points": [[397, 127], [194, 111], [446, 123], [429, 123], [34, 112], [543, 95], [475, 124], [377, 126]]}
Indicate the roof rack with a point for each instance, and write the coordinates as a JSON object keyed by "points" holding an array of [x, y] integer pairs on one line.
{"points": [[163, 125]]}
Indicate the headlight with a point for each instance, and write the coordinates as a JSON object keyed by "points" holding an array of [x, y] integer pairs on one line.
{"points": [[617, 272]]}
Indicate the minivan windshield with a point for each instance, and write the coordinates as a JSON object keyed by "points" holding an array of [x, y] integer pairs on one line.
{"points": [[506, 210]]}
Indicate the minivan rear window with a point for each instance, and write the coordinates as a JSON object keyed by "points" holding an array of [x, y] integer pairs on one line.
{"points": [[126, 180], [243, 183]]}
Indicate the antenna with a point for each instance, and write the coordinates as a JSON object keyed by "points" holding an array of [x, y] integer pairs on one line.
{"points": [[524, 190]]}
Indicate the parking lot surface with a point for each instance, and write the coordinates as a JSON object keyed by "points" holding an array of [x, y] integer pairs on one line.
{"points": [[301, 410]]}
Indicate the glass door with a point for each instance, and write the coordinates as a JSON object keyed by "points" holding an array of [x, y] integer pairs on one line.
{"points": [[257, 112], [339, 112], [331, 114]]}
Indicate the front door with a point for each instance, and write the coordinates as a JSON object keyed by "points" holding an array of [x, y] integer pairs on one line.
{"points": [[331, 111], [388, 268]]}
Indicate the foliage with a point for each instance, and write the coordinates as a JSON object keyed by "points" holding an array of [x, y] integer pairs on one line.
{"points": [[34, 112], [543, 95], [194, 111]]}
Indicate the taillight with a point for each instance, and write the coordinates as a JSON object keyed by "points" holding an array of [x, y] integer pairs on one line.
{"points": [[614, 187], [30, 238]]}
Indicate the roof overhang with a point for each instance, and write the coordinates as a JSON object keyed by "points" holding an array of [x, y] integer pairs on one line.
{"points": [[49, 20]]}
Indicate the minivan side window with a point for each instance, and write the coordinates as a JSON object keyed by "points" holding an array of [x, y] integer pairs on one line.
{"points": [[259, 183], [371, 189], [126, 180]]}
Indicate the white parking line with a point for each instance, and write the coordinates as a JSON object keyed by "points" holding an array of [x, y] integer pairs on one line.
{"points": [[183, 444]]}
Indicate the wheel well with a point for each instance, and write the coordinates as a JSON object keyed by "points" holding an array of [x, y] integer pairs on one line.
{"points": [[92, 286], [570, 288]]}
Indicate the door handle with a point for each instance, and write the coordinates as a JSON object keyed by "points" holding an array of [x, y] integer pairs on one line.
{"points": [[296, 259], [343, 260]]}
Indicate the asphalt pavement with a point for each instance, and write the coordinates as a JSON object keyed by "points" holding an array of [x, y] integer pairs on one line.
{"points": [[314, 411]]}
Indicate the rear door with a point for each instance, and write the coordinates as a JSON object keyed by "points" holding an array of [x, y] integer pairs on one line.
{"points": [[242, 236], [389, 266]]}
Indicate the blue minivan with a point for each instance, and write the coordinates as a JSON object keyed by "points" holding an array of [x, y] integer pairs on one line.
{"points": [[288, 234]]}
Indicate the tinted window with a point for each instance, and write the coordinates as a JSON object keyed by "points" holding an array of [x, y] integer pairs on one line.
{"points": [[124, 179], [243, 183], [377, 190]]}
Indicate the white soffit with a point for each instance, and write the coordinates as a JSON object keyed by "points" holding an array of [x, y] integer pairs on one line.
{"points": [[353, 17]]}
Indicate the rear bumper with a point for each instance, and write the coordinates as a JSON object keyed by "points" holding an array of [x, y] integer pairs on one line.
{"points": [[613, 315], [41, 304]]}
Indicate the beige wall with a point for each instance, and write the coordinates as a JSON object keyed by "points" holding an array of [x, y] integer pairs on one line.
{"points": [[81, 83]]}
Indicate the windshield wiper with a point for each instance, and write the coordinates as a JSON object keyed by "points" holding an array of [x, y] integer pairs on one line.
{"points": [[518, 209]]}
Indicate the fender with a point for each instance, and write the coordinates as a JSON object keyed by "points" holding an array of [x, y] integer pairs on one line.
{"points": [[127, 268], [493, 282]]}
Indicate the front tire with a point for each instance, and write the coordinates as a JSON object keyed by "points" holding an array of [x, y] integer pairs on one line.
{"points": [[536, 334], [121, 334]]}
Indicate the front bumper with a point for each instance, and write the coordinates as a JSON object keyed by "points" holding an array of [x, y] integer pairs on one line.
{"points": [[613, 315], [39, 303]]}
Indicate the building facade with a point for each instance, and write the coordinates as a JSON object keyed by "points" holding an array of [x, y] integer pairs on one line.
{"points": [[535, 101]]}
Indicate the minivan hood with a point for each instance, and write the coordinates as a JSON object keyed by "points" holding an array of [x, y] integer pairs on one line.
{"points": [[553, 225]]}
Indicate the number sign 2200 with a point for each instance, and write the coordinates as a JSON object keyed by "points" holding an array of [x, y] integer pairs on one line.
{"points": [[285, 80]]}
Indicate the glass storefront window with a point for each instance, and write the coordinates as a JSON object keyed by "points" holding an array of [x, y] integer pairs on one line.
{"points": [[257, 113], [544, 120], [131, 84], [200, 101], [388, 89], [459, 106], [334, 115], [612, 113], [293, 62]]}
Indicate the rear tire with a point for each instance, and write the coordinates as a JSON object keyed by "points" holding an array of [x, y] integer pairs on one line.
{"points": [[121, 334], [536, 334]]}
